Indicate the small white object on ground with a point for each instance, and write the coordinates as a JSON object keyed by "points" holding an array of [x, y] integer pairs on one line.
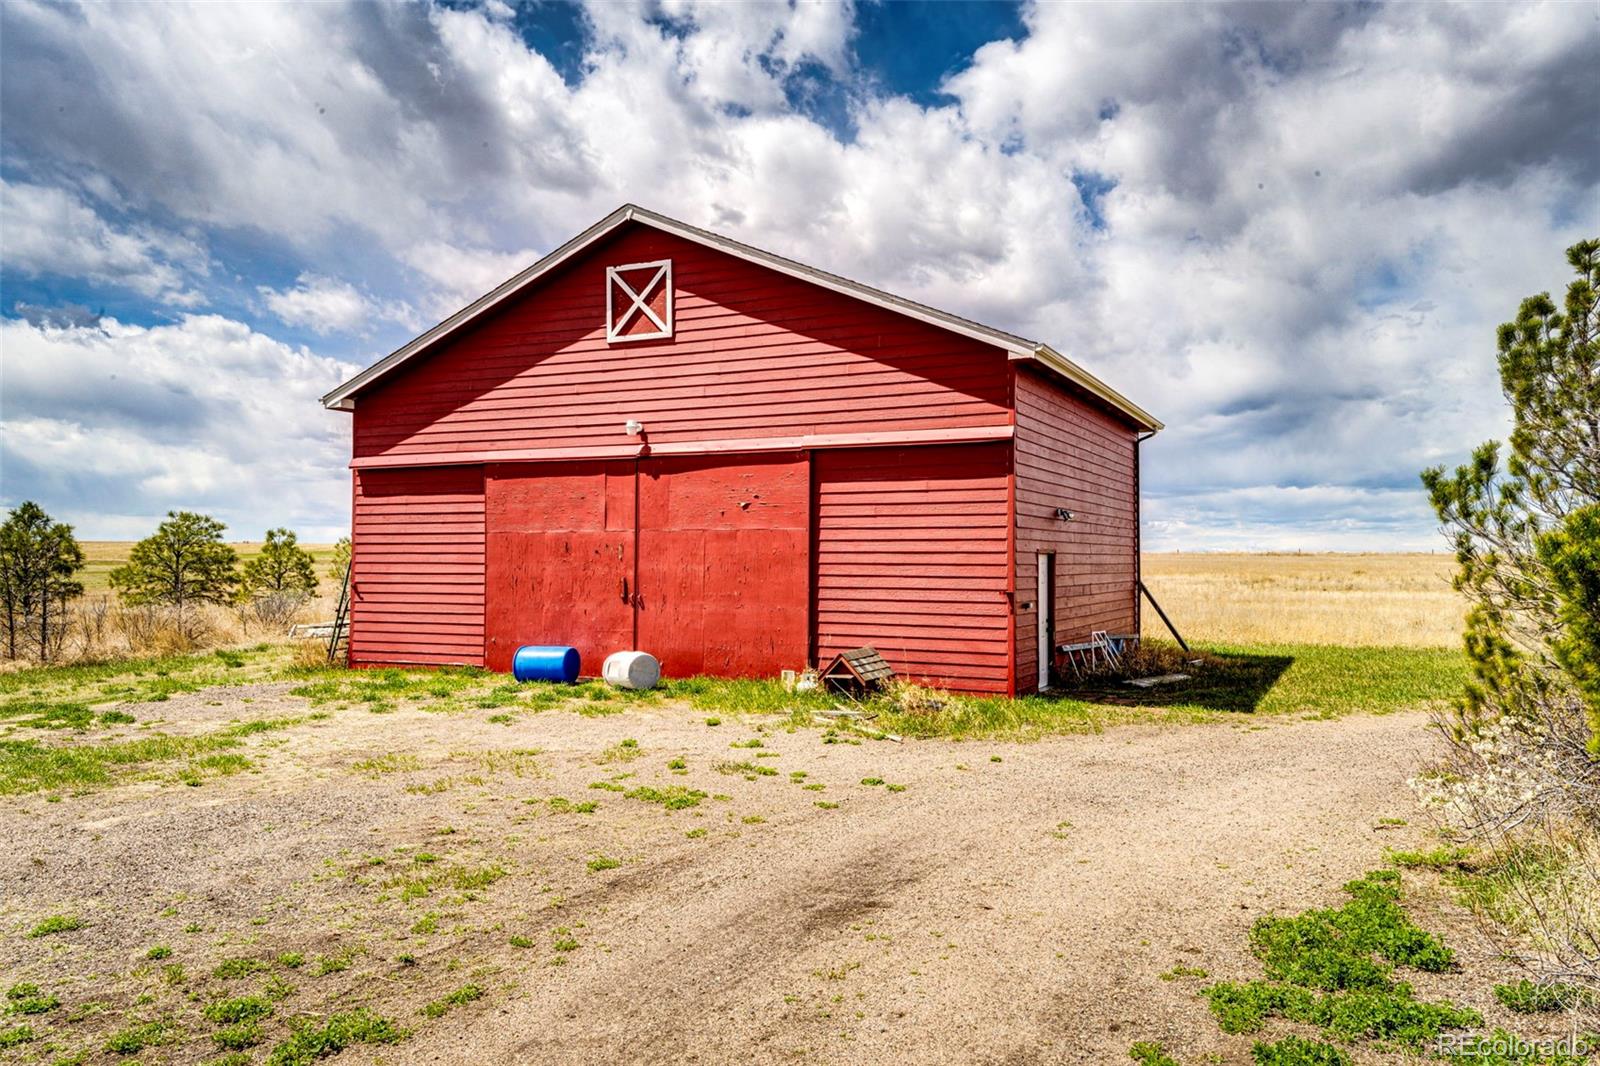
{"points": [[1152, 682], [631, 669]]}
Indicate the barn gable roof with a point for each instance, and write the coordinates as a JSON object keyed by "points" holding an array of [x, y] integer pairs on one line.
{"points": [[1017, 348]]}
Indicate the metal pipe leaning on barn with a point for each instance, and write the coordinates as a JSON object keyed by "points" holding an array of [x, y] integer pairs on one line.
{"points": [[546, 662]]}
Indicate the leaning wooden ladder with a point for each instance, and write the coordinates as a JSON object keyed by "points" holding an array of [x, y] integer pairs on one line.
{"points": [[341, 620]]}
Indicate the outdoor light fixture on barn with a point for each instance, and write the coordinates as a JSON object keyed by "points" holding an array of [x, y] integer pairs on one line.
{"points": [[826, 467]]}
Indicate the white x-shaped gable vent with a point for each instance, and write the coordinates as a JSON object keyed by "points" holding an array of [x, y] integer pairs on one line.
{"points": [[639, 301]]}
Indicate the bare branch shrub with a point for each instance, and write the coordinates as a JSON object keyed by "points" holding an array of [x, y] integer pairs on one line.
{"points": [[273, 610]]}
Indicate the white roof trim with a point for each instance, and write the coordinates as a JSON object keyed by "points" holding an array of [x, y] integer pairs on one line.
{"points": [[343, 397]]}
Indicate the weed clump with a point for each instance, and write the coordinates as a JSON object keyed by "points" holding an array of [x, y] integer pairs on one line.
{"points": [[1298, 1051], [1333, 968], [1525, 997], [1333, 949], [24, 997], [673, 797], [460, 997], [56, 923], [311, 1041], [1149, 1053]]}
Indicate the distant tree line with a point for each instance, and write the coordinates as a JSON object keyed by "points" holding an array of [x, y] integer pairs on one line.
{"points": [[184, 564]]}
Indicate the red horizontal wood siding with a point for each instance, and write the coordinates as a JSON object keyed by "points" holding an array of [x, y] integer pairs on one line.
{"points": [[911, 556], [755, 354], [1072, 453], [417, 567]]}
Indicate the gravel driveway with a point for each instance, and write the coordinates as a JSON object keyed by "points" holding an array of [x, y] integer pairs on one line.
{"points": [[988, 902]]}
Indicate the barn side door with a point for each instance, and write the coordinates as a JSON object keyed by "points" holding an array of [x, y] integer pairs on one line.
{"points": [[1047, 616], [560, 559]]}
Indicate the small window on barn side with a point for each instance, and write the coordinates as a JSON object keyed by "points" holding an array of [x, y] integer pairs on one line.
{"points": [[639, 301]]}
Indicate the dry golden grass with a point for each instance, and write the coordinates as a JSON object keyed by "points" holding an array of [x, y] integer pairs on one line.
{"points": [[103, 556], [1349, 599]]}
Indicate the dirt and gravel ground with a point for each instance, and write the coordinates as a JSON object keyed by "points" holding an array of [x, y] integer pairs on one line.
{"points": [[1001, 903]]}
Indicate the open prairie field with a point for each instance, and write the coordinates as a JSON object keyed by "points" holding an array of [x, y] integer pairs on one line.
{"points": [[104, 556], [1361, 600]]}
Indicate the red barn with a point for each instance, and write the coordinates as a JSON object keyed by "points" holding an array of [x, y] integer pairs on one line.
{"points": [[659, 438]]}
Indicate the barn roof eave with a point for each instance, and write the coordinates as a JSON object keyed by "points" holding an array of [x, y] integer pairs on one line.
{"points": [[344, 397]]}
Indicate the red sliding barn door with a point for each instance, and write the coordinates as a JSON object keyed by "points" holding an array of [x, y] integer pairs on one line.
{"points": [[560, 559], [701, 562], [723, 549]]}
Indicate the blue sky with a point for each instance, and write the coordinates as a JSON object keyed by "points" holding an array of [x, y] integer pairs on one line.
{"points": [[1289, 230]]}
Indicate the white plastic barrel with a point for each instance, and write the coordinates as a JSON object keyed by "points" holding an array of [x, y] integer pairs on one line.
{"points": [[631, 669]]}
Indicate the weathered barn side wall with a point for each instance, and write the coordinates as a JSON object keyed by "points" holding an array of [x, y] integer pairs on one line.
{"points": [[756, 354], [911, 556], [417, 567], [1072, 453]]}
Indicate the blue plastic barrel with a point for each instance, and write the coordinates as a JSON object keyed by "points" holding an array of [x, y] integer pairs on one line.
{"points": [[545, 662]]}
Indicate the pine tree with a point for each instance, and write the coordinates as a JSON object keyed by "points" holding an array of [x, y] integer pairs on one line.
{"points": [[1528, 538], [39, 561], [184, 563], [341, 560], [282, 567]]}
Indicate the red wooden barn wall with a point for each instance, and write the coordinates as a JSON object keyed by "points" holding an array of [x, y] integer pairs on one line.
{"points": [[416, 568], [756, 354], [912, 554], [910, 548], [1072, 453]]}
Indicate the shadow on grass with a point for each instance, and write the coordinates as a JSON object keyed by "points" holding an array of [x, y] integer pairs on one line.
{"points": [[1221, 681]]}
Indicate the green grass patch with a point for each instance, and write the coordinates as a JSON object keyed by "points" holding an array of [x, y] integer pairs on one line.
{"points": [[1525, 997], [240, 1009], [1334, 949], [13, 1036], [558, 805], [1333, 968], [602, 862], [1149, 1053], [238, 1036], [132, 1039], [1274, 679], [27, 766], [311, 1040], [25, 997], [459, 998], [1440, 858], [749, 770], [673, 797], [146, 679], [388, 763], [56, 923], [37, 713], [235, 968], [1298, 1051]]}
